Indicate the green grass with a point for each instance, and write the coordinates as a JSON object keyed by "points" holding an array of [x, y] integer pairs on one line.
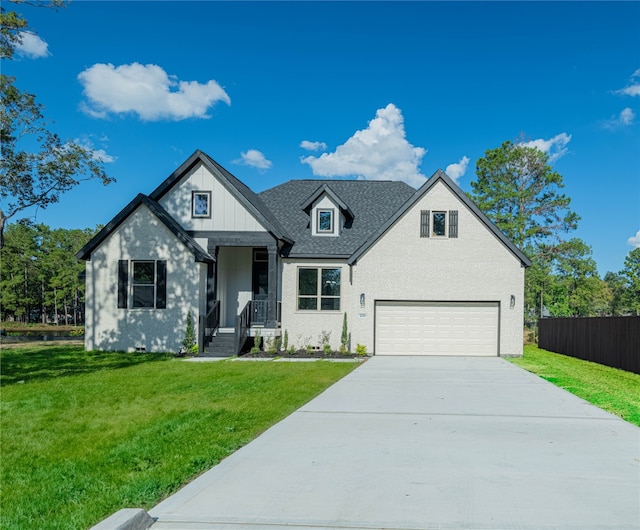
{"points": [[89, 433], [613, 390]]}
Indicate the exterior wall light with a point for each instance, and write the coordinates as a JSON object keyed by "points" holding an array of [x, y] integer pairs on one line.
{"points": [[362, 301], [512, 304]]}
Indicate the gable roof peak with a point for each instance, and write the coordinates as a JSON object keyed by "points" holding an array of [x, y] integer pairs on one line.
{"points": [[198, 252], [235, 186], [438, 176], [325, 189]]}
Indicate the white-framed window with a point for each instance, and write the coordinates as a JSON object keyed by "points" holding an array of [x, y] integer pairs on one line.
{"points": [[201, 204], [318, 289], [325, 221], [143, 283]]}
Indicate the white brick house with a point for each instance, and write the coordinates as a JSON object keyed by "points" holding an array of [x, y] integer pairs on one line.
{"points": [[417, 272]]}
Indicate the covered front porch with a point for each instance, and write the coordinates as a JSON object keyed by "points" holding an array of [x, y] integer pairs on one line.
{"points": [[242, 292]]}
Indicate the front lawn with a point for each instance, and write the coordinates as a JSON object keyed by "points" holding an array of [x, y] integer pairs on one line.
{"points": [[613, 390], [85, 434]]}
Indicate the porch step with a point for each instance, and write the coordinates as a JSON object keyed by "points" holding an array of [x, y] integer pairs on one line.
{"points": [[222, 345]]}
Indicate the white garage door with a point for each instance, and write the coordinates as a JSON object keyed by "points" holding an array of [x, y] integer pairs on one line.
{"points": [[437, 328]]}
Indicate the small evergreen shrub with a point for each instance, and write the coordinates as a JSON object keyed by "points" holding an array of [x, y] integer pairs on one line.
{"points": [[344, 338], [189, 342]]}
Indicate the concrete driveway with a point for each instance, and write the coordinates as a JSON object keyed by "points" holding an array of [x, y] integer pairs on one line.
{"points": [[428, 443]]}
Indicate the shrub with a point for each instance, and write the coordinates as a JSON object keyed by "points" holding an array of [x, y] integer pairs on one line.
{"points": [[344, 338], [325, 338], [190, 336], [285, 341], [271, 344], [361, 349], [257, 342]]}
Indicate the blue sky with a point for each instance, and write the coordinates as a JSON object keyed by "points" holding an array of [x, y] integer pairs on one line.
{"points": [[275, 91]]}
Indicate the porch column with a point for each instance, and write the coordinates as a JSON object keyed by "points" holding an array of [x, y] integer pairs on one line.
{"points": [[272, 286]]}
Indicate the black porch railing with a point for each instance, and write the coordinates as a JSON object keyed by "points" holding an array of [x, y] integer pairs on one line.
{"points": [[208, 324], [254, 313]]}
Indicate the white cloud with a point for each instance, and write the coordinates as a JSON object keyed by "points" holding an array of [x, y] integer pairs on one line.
{"points": [[313, 146], [99, 155], [633, 87], [253, 158], [379, 152], [626, 117], [455, 171], [31, 46], [634, 241], [555, 147], [148, 91]]}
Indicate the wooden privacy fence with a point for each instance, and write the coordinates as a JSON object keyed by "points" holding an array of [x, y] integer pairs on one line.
{"points": [[612, 341]]}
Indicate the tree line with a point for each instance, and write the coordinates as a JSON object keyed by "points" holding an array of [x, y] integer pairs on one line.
{"points": [[517, 188], [41, 280]]}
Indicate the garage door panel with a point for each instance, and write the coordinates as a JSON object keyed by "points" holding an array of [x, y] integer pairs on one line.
{"points": [[437, 328]]}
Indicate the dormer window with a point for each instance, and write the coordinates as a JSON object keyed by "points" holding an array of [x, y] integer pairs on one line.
{"points": [[328, 214], [325, 221]]}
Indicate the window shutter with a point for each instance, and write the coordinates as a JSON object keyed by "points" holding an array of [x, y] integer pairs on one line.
{"points": [[453, 223], [161, 284], [424, 223], [123, 283]]}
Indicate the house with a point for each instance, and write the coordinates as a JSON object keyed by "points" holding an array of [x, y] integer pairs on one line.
{"points": [[419, 272]]}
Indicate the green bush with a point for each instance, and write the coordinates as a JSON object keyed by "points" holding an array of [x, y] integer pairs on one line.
{"points": [[361, 349], [190, 336]]}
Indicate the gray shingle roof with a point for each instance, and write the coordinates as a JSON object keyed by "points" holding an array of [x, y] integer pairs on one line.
{"points": [[372, 203]]}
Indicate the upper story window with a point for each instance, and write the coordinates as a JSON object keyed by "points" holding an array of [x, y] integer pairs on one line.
{"points": [[201, 204], [439, 223], [329, 215], [325, 222]]}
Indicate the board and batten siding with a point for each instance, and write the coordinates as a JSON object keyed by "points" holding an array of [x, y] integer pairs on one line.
{"points": [[141, 237], [227, 213], [475, 266]]}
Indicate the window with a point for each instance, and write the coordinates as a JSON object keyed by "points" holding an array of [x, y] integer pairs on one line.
{"points": [[325, 222], [143, 285], [148, 284], [201, 204], [439, 224], [318, 289]]}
